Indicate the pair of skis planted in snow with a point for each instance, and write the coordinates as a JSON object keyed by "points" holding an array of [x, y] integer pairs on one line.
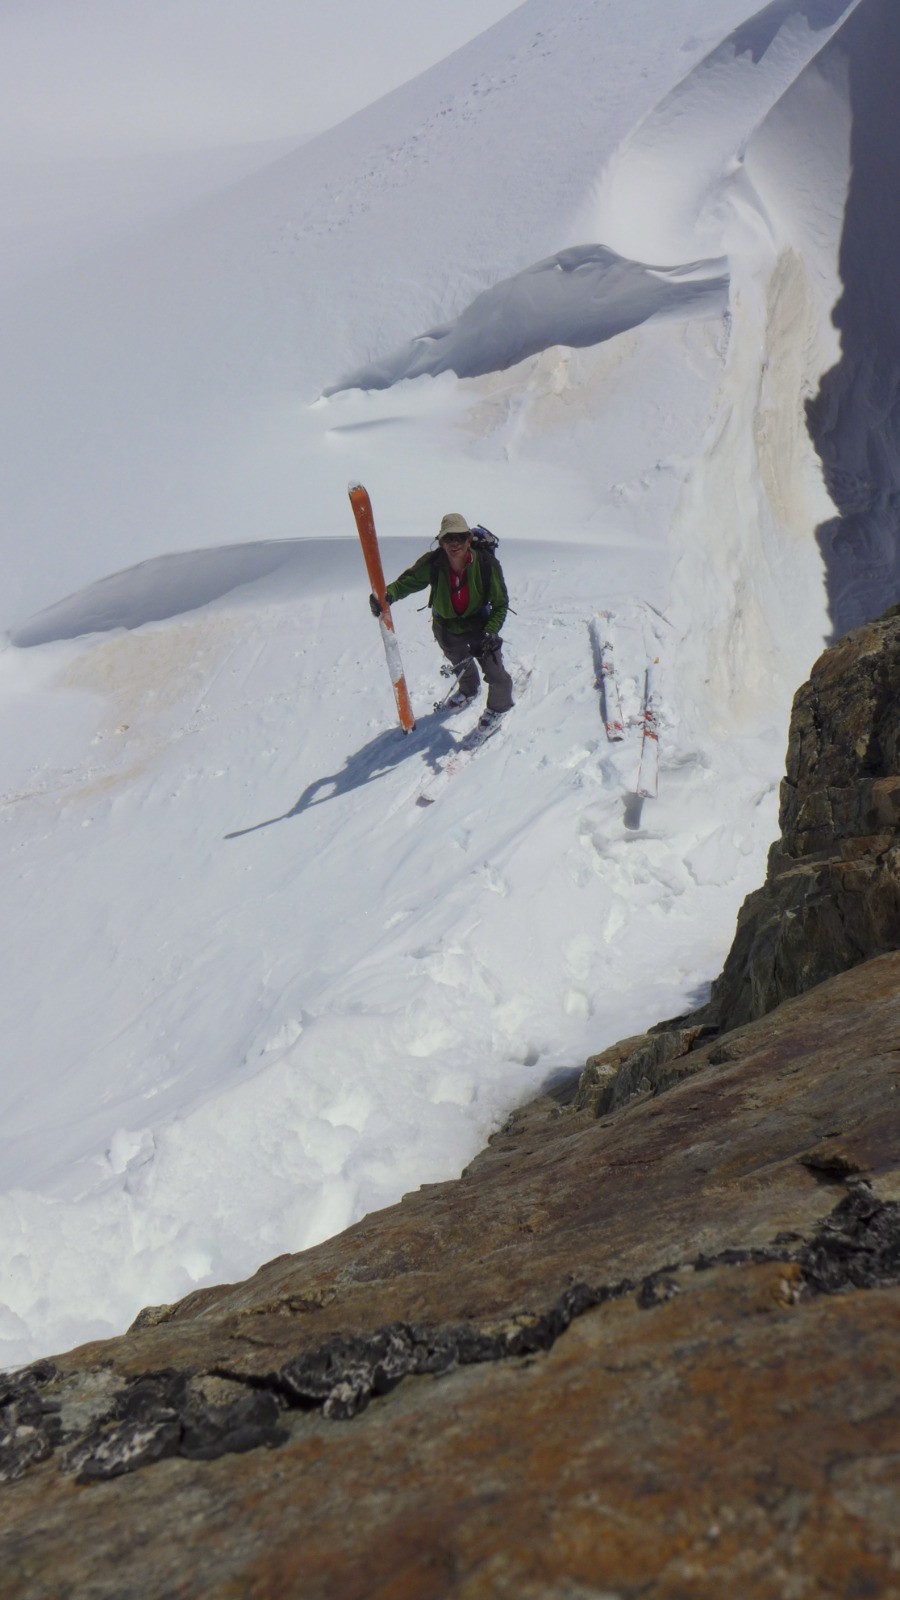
{"points": [[648, 772]]}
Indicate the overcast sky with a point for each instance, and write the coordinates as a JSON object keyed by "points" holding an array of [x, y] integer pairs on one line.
{"points": [[116, 76]]}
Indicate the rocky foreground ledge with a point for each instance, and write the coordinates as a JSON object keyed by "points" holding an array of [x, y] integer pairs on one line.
{"points": [[647, 1345]]}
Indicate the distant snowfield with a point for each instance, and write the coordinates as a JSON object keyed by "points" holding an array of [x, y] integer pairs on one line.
{"points": [[252, 990], [71, 208]]}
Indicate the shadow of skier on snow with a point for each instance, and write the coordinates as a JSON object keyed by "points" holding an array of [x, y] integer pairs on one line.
{"points": [[430, 739]]}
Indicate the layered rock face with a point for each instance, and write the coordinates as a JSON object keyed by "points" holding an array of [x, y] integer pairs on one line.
{"points": [[832, 893], [651, 1352]]}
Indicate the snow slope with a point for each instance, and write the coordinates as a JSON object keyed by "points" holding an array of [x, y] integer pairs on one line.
{"points": [[156, 399], [55, 211], [252, 989], [273, 993]]}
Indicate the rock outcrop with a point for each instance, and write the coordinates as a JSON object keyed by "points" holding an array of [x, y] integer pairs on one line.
{"points": [[831, 898], [650, 1352], [832, 892]]}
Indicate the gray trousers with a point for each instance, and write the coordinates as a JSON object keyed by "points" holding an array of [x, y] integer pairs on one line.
{"points": [[484, 649]]}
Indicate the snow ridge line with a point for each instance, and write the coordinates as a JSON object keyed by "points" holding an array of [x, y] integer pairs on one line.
{"points": [[746, 74]]}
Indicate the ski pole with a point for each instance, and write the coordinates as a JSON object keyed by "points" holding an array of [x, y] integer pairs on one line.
{"points": [[455, 670]]}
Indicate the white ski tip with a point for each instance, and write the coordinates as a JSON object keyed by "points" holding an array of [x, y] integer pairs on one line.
{"points": [[354, 485]]}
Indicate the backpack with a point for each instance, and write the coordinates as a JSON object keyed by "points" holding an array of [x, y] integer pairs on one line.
{"points": [[483, 539], [484, 543]]}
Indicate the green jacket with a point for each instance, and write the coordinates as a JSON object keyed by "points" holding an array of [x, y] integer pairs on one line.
{"points": [[488, 599]]}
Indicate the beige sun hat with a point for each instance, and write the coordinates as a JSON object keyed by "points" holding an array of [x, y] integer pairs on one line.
{"points": [[453, 523]]}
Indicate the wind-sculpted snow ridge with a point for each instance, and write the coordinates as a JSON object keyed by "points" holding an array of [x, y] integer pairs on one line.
{"points": [[580, 297], [672, 187], [167, 586], [173, 585], [662, 198]]}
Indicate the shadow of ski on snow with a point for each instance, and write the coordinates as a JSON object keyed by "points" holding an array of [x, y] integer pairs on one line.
{"points": [[430, 739]]}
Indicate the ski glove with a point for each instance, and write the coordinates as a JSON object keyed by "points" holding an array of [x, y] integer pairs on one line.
{"points": [[492, 645], [375, 606]]}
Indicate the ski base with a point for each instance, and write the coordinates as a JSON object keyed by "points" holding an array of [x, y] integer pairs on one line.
{"points": [[456, 760], [368, 538], [648, 772], [608, 682]]}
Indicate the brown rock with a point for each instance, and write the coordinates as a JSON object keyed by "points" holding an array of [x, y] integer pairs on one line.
{"points": [[832, 891], [597, 1082], [663, 1362]]}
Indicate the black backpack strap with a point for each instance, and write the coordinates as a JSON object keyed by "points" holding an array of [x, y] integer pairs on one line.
{"points": [[435, 558]]}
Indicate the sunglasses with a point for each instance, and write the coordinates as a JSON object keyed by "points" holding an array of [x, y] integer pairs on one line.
{"points": [[455, 538]]}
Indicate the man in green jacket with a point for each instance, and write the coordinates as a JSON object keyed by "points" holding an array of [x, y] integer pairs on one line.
{"points": [[468, 603]]}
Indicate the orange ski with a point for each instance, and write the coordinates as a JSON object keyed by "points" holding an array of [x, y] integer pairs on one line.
{"points": [[368, 538]]}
